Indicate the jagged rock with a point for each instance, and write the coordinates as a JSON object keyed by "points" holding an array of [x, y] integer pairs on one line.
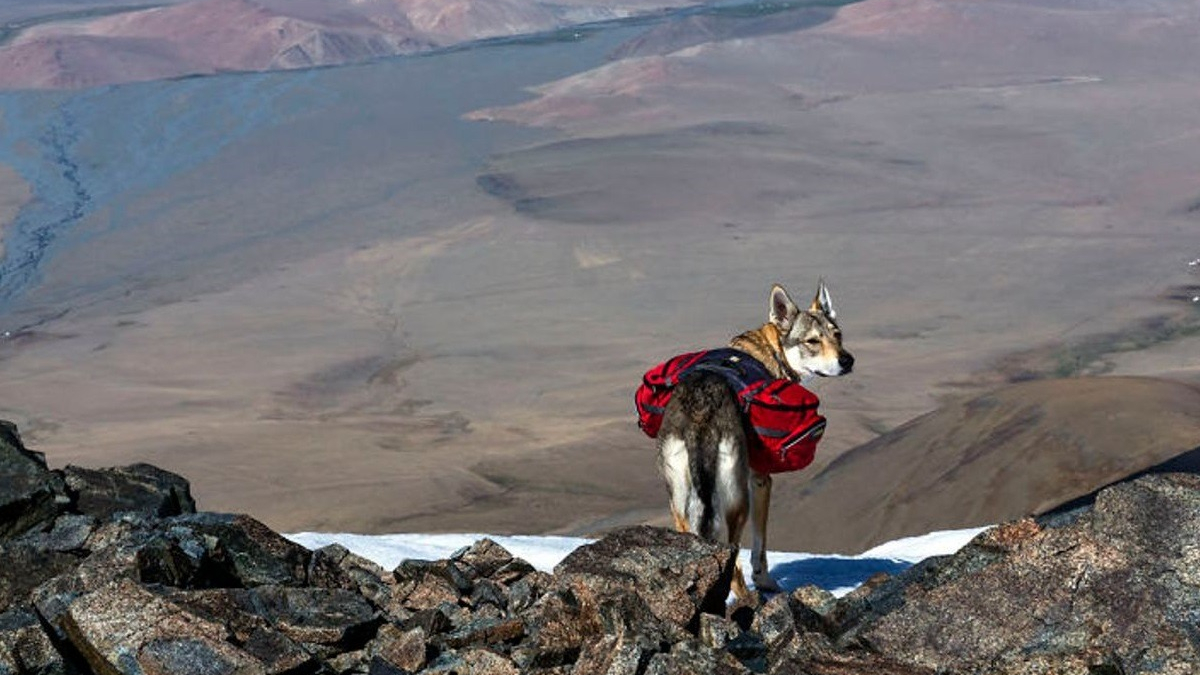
{"points": [[800, 653], [690, 657], [1101, 590], [188, 655], [234, 609], [552, 670], [878, 594], [567, 618], [15, 458], [630, 614], [750, 650], [402, 649], [349, 663], [488, 592], [279, 654], [211, 550], [812, 607], [485, 632], [253, 553], [524, 592], [143, 488], [774, 622], [471, 661], [783, 641], [378, 666], [278, 630], [69, 533], [182, 561], [433, 621], [622, 653], [334, 566], [615, 655], [557, 624], [53, 597], [855, 663], [25, 647], [485, 557], [716, 631], [27, 502], [202, 550], [424, 584], [23, 569], [512, 572], [815, 598], [489, 611], [123, 628], [30, 494], [677, 575], [324, 620], [459, 616]]}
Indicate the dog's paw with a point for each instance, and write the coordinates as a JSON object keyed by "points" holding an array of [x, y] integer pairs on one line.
{"points": [[765, 583]]}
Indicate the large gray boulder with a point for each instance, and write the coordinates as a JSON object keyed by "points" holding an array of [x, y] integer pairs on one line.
{"points": [[124, 628], [25, 647], [192, 551], [142, 488], [677, 575], [1113, 588], [30, 494]]}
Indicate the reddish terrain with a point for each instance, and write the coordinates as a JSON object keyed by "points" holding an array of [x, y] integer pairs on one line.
{"points": [[200, 37]]}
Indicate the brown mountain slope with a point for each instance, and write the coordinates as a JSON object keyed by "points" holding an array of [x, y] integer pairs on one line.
{"points": [[1022, 449], [210, 36]]}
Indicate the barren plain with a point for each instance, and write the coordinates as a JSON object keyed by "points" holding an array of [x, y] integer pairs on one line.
{"points": [[417, 293]]}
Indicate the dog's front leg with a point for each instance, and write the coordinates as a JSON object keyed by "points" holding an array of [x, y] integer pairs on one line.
{"points": [[760, 506]]}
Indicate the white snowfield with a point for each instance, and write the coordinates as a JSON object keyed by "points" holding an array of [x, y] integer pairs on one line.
{"points": [[838, 574]]}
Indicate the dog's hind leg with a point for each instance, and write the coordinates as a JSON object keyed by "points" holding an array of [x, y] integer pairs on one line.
{"points": [[760, 506], [735, 502], [673, 462], [681, 523], [735, 522]]}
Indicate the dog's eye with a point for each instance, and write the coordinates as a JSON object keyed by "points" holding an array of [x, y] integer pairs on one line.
{"points": [[813, 341]]}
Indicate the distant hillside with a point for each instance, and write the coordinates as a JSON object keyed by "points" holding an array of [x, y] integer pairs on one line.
{"points": [[1021, 450], [68, 50]]}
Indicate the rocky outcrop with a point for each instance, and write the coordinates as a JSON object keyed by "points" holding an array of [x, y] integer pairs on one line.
{"points": [[1112, 588], [112, 571], [687, 576], [30, 495]]}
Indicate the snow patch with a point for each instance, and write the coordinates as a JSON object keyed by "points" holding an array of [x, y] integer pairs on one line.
{"points": [[838, 574]]}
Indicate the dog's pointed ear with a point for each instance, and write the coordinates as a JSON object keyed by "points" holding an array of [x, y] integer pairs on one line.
{"points": [[821, 301], [783, 310]]}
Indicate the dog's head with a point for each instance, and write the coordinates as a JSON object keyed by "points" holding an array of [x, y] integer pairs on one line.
{"points": [[810, 339]]}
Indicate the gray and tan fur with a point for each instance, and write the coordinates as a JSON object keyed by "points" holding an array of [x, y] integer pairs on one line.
{"points": [[702, 449]]}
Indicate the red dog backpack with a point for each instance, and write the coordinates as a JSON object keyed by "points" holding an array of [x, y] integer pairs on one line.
{"points": [[781, 414]]}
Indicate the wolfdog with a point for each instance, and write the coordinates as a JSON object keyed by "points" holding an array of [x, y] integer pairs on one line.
{"points": [[703, 441]]}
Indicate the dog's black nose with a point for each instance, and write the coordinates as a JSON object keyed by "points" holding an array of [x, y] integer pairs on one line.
{"points": [[846, 361]]}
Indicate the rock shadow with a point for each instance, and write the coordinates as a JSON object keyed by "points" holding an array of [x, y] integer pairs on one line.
{"points": [[831, 573]]}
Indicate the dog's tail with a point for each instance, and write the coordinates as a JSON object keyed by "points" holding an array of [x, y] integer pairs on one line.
{"points": [[709, 423], [702, 461]]}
